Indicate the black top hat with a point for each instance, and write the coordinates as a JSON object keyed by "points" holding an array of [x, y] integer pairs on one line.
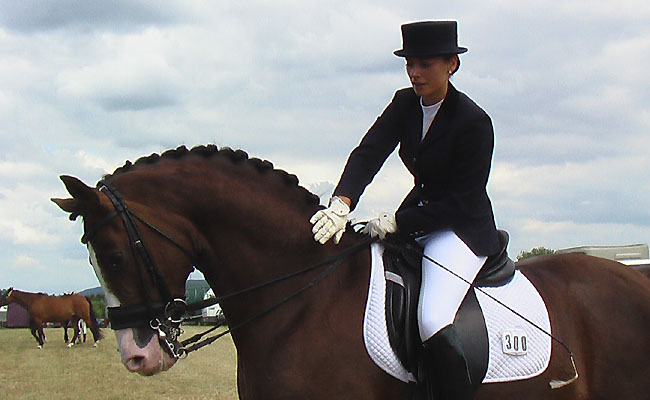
{"points": [[429, 39]]}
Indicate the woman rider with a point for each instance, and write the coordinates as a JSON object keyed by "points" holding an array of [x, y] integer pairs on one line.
{"points": [[446, 142]]}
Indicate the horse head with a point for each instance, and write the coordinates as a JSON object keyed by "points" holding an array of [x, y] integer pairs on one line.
{"points": [[133, 279], [5, 296], [236, 219]]}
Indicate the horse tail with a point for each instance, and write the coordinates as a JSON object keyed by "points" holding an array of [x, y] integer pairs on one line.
{"points": [[94, 326]]}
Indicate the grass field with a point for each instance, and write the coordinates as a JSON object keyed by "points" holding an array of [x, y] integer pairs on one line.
{"points": [[86, 372]]}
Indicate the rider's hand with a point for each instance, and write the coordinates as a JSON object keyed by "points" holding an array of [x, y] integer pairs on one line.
{"points": [[380, 226], [330, 221]]}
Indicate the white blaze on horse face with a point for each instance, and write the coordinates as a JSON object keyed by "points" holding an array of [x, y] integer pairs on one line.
{"points": [[111, 299], [147, 360]]}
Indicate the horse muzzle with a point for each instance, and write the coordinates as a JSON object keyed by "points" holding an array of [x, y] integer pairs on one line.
{"points": [[137, 326], [141, 351]]}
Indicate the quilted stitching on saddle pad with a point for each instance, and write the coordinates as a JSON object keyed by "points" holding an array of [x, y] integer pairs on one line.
{"points": [[519, 295], [374, 326]]}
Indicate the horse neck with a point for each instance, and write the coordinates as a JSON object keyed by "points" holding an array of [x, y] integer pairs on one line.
{"points": [[249, 227], [264, 230], [241, 215], [25, 299], [266, 240]]}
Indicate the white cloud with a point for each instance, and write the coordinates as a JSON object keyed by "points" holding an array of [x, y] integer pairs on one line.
{"points": [[19, 170], [88, 85], [134, 74], [24, 261], [24, 219]]}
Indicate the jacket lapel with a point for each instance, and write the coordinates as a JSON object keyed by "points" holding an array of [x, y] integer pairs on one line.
{"points": [[413, 128], [442, 120]]}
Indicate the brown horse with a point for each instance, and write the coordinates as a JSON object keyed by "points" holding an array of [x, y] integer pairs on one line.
{"points": [[644, 269], [66, 309], [243, 224]]}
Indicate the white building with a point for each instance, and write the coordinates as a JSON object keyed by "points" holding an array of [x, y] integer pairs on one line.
{"points": [[3, 315], [212, 313], [632, 254]]}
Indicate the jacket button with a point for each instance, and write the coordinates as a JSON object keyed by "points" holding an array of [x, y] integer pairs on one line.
{"points": [[422, 186]]}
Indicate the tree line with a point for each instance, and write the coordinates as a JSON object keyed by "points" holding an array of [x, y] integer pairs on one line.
{"points": [[99, 305], [536, 251]]}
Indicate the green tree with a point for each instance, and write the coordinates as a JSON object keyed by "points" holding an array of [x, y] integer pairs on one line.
{"points": [[99, 305], [537, 251]]}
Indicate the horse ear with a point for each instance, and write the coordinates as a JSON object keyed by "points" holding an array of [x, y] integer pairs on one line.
{"points": [[69, 205], [83, 196]]}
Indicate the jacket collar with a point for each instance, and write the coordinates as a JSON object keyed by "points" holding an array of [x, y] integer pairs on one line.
{"points": [[442, 119]]}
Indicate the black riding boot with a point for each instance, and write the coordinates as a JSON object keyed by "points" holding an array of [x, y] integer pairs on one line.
{"points": [[444, 367]]}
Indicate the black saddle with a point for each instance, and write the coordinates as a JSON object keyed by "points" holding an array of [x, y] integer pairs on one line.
{"points": [[403, 273]]}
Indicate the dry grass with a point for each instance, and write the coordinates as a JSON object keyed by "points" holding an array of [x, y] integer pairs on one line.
{"points": [[85, 372]]}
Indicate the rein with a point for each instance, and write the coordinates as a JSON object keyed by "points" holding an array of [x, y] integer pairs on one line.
{"points": [[333, 261], [166, 317]]}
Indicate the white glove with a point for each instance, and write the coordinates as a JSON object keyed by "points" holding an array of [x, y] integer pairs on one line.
{"points": [[380, 226], [330, 221]]}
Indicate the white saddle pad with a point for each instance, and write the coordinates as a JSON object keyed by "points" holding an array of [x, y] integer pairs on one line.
{"points": [[518, 350]]}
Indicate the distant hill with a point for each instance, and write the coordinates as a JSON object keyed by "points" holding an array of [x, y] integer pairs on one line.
{"points": [[92, 291], [191, 285]]}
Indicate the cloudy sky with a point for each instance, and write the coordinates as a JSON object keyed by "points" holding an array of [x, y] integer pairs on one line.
{"points": [[88, 84]]}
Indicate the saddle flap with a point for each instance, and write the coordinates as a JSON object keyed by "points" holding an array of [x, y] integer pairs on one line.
{"points": [[402, 296], [403, 277]]}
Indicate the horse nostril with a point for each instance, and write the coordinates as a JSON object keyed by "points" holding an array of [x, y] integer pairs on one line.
{"points": [[135, 363]]}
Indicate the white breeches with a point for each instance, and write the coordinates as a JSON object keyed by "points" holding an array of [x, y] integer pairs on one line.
{"points": [[441, 292]]}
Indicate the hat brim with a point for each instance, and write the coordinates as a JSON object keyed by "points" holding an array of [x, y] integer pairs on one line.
{"points": [[407, 53]]}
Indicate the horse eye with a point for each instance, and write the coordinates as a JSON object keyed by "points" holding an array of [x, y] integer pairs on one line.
{"points": [[114, 261]]}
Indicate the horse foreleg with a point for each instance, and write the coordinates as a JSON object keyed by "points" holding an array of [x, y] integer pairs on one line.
{"points": [[75, 335], [95, 330], [78, 332], [65, 331], [37, 331], [81, 326], [37, 336]]}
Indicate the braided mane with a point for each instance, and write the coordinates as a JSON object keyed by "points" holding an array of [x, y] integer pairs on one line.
{"points": [[207, 151]]}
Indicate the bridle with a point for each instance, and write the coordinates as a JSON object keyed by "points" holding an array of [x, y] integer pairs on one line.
{"points": [[166, 317]]}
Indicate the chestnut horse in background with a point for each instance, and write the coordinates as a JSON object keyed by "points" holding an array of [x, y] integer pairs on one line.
{"points": [[299, 332], [67, 309]]}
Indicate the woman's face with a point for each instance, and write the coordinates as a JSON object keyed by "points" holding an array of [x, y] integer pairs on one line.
{"points": [[429, 76]]}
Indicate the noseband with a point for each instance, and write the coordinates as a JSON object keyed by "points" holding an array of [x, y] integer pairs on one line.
{"points": [[163, 317]]}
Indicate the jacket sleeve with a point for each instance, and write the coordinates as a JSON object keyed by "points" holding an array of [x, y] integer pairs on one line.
{"points": [[367, 158]]}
